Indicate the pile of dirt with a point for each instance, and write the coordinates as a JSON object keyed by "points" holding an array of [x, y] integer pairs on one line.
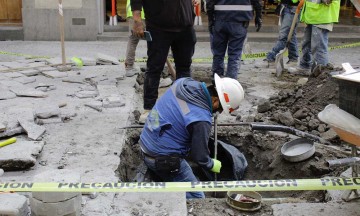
{"points": [[299, 106]]}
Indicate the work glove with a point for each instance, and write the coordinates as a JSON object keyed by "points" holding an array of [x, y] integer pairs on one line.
{"points": [[258, 23], [216, 167]]}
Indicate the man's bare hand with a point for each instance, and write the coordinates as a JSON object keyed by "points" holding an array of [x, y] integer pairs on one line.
{"points": [[196, 2], [138, 27]]}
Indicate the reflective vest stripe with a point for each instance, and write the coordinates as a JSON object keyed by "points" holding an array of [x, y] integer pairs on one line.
{"points": [[315, 1], [233, 7], [183, 105]]}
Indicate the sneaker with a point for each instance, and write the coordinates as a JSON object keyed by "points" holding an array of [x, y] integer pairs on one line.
{"points": [[299, 71], [131, 71], [292, 63], [144, 116], [266, 63]]}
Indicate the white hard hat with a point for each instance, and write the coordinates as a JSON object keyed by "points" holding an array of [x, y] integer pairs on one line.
{"points": [[230, 92]]}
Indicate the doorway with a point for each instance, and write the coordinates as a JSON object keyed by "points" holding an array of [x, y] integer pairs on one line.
{"points": [[10, 12]]}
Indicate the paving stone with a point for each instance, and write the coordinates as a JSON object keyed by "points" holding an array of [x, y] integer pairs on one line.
{"points": [[23, 92], [6, 94], [74, 79], [54, 74], [13, 74], [88, 61], [86, 94], [13, 64], [47, 111], [33, 130], [25, 80], [30, 72], [113, 101], [106, 58], [20, 155], [13, 205], [59, 176], [71, 207]]}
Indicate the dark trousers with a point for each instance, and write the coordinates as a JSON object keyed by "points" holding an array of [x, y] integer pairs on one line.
{"points": [[182, 46]]}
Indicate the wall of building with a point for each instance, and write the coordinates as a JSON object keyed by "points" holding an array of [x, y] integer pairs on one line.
{"points": [[41, 20]]}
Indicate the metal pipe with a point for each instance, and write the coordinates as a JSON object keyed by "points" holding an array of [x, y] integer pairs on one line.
{"points": [[264, 127], [343, 162]]}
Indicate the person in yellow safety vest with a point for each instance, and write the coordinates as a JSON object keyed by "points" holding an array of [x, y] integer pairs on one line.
{"points": [[133, 41], [319, 17]]}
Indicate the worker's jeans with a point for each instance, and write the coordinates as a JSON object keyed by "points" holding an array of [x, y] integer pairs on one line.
{"points": [[287, 17], [315, 43], [185, 174], [182, 46], [131, 46], [230, 36]]}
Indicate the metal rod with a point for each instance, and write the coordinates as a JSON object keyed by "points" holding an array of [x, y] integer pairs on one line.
{"points": [[343, 162], [62, 33], [219, 124], [215, 143]]}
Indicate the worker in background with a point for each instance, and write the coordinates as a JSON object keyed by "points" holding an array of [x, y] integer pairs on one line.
{"points": [[286, 12], [319, 17], [228, 23], [180, 124], [133, 41], [170, 25]]}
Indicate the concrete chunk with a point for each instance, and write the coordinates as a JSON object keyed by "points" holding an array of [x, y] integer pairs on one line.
{"points": [[33, 130], [13, 64], [2, 127], [106, 58], [86, 94], [59, 176], [71, 207], [20, 155], [88, 61], [114, 101], [74, 79], [47, 111], [26, 92], [13, 205], [30, 72], [6, 94], [48, 68], [54, 74], [13, 74], [25, 80]]}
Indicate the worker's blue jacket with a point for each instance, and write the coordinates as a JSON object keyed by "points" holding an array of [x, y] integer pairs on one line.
{"points": [[179, 122], [233, 10]]}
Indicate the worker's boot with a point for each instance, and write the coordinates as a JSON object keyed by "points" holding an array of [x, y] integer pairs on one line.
{"points": [[266, 63], [144, 116], [292, 63], [318, 69], [131, 70]]}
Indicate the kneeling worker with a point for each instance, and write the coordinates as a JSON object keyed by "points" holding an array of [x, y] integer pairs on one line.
{"points": [[180, 124]]}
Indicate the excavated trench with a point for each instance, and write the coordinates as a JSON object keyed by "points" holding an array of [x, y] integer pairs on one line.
{"points": [[262, 151]]}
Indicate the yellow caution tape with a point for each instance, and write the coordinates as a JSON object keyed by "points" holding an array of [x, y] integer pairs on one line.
{"points": [[246, 185], [195, 60]]}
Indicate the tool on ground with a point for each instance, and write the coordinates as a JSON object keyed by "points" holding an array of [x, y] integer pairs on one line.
{"points": [[7, 142], [279, 60], [299, 133], [171, 68], [344, 162], [298, 150]]}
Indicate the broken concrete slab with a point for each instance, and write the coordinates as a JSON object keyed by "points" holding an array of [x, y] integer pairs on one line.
{"points": [[53, 120], [12, 204], [2, 127], [33, 130], [74, 79], [45, 87], [113, 101], [88, 61], [71, 207], [46, 69], [12, 131], [107, 90], [26, 92], [54, 74], [106, 58], [47, 111], [10, 83], [97, 105], [13, 74], [25, 80], [13, 64], [36, 64], [20, 155], [30, 72], [316, 209], [59, 176], [6, 94], [86, 94], [55, 61]]}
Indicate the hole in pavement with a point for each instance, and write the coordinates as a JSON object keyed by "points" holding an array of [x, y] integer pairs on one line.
{"points": [[262, 152]]}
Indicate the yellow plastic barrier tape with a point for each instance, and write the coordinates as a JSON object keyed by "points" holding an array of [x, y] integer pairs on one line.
{"points": [[245, 185]]}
